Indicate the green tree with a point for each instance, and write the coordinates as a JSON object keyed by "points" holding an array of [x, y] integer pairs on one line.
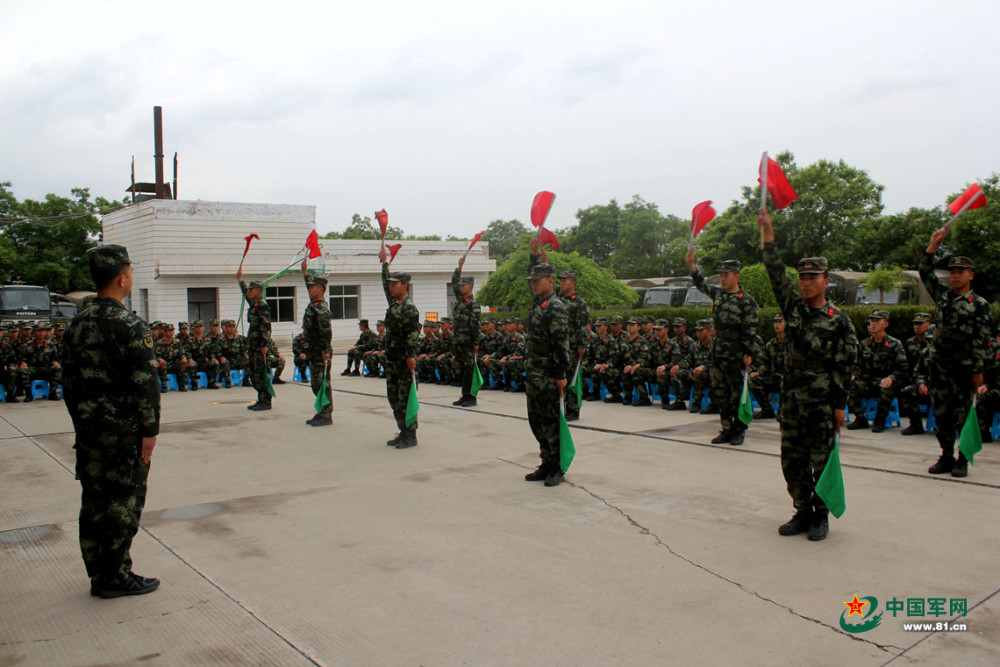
{"points": [[48, 246], [893, 240], [596, 235], [504, 237], [363, 228], [882, 280], [754, 281], [507, 285]]}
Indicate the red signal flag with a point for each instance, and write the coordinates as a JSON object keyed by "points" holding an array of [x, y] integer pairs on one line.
{"points": [[393, 248], [248, 239], [475, 238], [545, 236], [312, 244], [540, 207], [974, 195], [383, 220], [701, 215], [778, 186]]}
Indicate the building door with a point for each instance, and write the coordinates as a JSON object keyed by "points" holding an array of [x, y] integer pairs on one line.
{"points": [[203, 304]]}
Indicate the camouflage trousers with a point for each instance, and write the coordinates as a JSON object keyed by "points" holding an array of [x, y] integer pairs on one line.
{"points": [[868, 387], [277, 363], [986, 405], [637, 381], [806, 442], [463, 369], [612, 379], [513, 371], [354, 358], [258, 367], [113, 478], [172, 367], [727, 387], [371, 362], [23, 377], [302, 367], [763, 386], [484, 370], [317, 372], [427, 369], [951, 390], [684, 381], [910, 401], [542, 398], [444, 368], [210, 368], [398, 383]]}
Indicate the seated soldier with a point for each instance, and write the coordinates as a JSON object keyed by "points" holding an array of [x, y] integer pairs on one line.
{"points": [[881, 372], [636, 365], [695, 370], [767, 380]]}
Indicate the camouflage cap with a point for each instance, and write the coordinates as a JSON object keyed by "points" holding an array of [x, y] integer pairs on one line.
{"points": [[380, 323], [362, 323], [39, 326], [961, 263], [813, 265], [922, 317], [568, 273], [879, 315], [213, 323], [490, 318], [428, 323], [182, 325], [704, 324], [467, 280], [156, 324], [444, 320], [680, 322], [648, 319], [25, 325], [616, 319], [601, 321], [542, 270], [400, 277], [661, 324], [779, 317], [634, 320], [168, 326], [60, 327], [311, 280], [196, 324], [108, 257], [730, 265]]}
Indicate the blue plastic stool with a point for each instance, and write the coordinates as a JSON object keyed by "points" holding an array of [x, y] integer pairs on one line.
{"points": [[3, 394], [995, 429], [40, 389], [202, 379], [298, 377], [172, 382], [236, 377]]}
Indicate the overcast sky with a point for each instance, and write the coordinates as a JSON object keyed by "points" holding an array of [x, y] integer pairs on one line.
{"points": [[453, 114]]}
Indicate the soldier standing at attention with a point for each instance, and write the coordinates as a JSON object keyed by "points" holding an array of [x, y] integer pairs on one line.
{"points": [[258, 338], [958, 351], [465, 340], [109, 378], [317, 333], [821, 349], [548, 359], [402, 324], [734, 317]]}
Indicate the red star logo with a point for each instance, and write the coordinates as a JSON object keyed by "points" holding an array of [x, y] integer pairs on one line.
{"points": [[855, 606]]}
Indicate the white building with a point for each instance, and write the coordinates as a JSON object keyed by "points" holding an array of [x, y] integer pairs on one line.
{"points": [[185, 255]]}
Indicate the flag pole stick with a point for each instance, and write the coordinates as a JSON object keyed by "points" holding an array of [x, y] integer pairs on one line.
{"points": [[963, 209], [763, 181]]}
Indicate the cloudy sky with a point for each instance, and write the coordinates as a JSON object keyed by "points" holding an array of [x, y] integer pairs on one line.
{"points": [[453, 114]]}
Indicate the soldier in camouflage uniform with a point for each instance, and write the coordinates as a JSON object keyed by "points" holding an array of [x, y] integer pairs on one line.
{"points": [[465, 343], [767, 379], [548, 359], [114, 402], [275, 361], [364, 343], [682, 347], [988, 393], [258, 339], [880, 372], [318, 333], [734, 318], [201, 353], [490, 342], [579, 314], [170, 358], [600, 356], [513, 362], [636, 365], [909, 400], [958, 351], [611, 376], [443, 361], [402, 324], [660, 355], [299, 357], [373, 358], [188, 376], [39, 361], [427, 350], [222, 365], [7, 368], [695, 369], [821, 349], [233, 348]]}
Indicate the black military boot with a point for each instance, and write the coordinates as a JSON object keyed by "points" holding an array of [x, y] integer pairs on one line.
{"points": [[738, 438], [961, 468], [555, 478], [799, 523], [538, 475], [409, 441], [347, 371], [860, 422], [695, 406], [712, 409], [916, 426], [324, 420], [395, 440], [944, 464], [879, 425], [723, 437], [765, 413], [644, 401], [613, 399], [677, 405], [819, 528]]}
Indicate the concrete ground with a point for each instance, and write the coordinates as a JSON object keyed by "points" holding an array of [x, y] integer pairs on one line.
{"points": [[278, 543]]}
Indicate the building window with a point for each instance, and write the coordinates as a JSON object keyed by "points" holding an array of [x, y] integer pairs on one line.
{"points": [[203, 304], [281, 301], [345, 302]]}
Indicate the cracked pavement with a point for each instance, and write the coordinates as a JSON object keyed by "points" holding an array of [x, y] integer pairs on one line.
{"points": [[278, 543]]}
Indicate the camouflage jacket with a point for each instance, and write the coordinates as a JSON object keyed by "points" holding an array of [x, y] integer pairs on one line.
{"points": [[466, 315], [233, 348], [489, 344], [548, 340], [635, 351], [299, 347], [38, 356], [680, 349], [701, 355], [200, 350], [821, 345], [882, 360], [428, 345], [515, 346], [109, 372], [600, 351], [170, 350], [734, 317], [258, 320], [447, 339], [402, 324], [914, 347], [316, 329], [366, 341], [578, 314], [660, 354], [963, 324], [773, 358]]}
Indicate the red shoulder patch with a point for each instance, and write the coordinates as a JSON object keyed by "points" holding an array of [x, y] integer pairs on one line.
{"points": [[545, 303], [971, 297], [830, 311], [741, 295]]}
